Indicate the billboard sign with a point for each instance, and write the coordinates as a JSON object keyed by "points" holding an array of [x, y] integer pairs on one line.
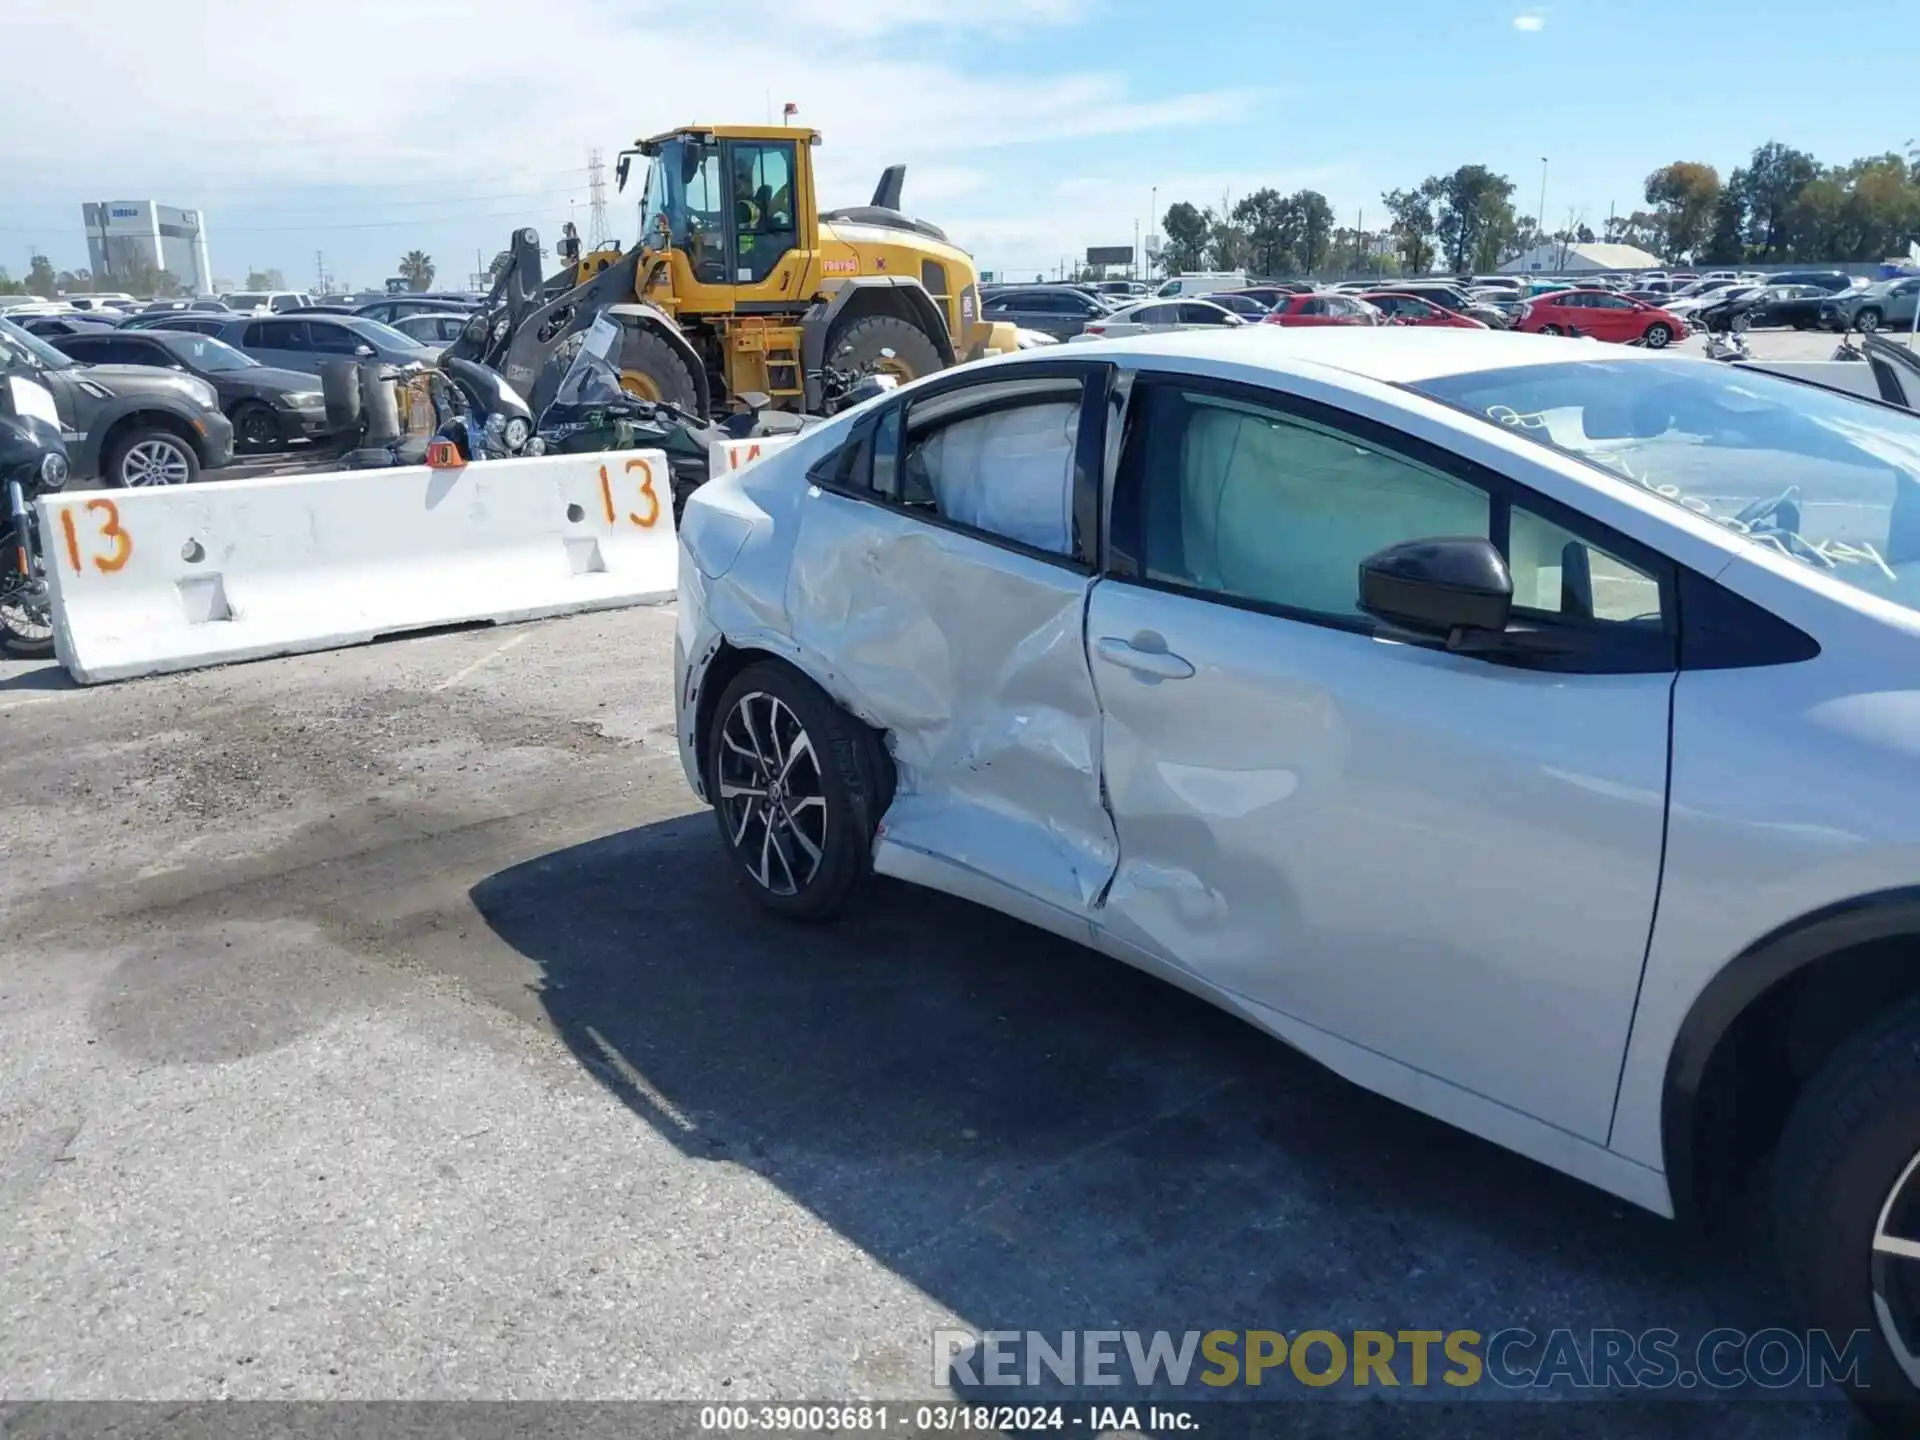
{"points": [[1109, 255]]}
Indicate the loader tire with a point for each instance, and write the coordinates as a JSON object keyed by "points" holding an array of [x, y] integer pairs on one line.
{"points": [[860, 344], [652, 369]]}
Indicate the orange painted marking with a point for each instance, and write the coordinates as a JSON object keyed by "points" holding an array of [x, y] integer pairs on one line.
{"points": [[646, 489], [606, 494], [122, 542], [73, 540]]}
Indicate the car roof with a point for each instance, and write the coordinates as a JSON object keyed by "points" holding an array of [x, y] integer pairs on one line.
{"points": [[1394, 355]]}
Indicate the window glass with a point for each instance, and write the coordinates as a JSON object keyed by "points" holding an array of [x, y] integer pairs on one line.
{"points": [[278, 335], [1557, 573], [1197, 313], [1243, 502], [1314, 305], [763, 202], [333, 339], [1156, 315], [1007, 470]]}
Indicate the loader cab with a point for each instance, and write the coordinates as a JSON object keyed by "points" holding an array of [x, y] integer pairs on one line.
{"points": [[736, 206]]}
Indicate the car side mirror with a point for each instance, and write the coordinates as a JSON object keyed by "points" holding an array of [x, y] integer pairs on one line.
{"points": [[365, 352], [1439, 586]]}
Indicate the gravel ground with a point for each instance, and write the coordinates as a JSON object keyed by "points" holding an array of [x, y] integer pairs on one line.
{"points": [[385, 1024]]}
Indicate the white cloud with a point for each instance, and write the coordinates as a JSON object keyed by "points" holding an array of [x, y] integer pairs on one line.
{"points": [[511, 113], [1530, 21]]}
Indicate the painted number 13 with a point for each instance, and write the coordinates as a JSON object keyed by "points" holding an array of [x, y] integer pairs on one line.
{"points": [[108, 526], [645, 518]]}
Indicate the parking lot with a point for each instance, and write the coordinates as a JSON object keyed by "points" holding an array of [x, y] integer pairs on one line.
{"points": [[385, 1023]]}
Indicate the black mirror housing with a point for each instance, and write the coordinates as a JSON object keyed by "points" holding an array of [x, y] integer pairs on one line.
{"points": [[1438, 585]]}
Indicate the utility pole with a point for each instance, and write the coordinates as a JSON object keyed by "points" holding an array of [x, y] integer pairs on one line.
{"points": [[598, 231], [320, 271], [1540, 225]]}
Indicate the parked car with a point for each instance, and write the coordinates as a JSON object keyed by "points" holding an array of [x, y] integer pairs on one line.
{"points": [[1495, 312], [1126, 291], [268, 407], [302, 342], [1404, 309], [1715, 309], [1057, 310], [1885, 302], [1323, 308], [1246, 306], [199, 322], [393, 307], [113, 302], [1270, 294], [1689, 687], [1602, 315], [49, 326], [156, 307], [265, 302], [129, 425], [1201, 283], [440, 328], [1156, 316], [1795, 305], [1833, 282]]}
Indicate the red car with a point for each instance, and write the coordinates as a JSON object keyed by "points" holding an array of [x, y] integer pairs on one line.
{"points": [[1601, 314], [1412, 310], [1323, 308]]}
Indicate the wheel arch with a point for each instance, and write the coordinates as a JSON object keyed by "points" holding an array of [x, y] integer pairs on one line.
{"points": [[142, 416], [729, 660], [860, 298], [1765, 1024], [641, 315]]}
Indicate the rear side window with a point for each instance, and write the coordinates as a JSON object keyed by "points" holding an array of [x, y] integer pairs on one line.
{"points": [[1003, 465]]}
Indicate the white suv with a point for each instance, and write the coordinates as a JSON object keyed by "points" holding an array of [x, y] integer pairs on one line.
{"points": [[267, 302], [1529, 731]]}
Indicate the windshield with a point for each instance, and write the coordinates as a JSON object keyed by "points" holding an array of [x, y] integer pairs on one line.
{"points": [[1815, 474], [245, 299], [203, 352], [25, 349], [384, 334]]}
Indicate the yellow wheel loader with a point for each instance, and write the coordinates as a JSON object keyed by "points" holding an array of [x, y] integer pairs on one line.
{"points": [[741, 286]]}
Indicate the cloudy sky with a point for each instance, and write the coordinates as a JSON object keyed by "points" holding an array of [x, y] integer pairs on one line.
{"points": [[1031, 128]]}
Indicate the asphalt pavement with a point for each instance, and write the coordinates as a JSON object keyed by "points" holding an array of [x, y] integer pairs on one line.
{"points": [[387, 1024]]}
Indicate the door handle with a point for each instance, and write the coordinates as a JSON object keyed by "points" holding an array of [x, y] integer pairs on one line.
{"points": [[1162, 663]]}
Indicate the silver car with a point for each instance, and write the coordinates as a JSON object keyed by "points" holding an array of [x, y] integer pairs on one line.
{"points": [[303, 342], [1154, 317], [1887, 302], [1522, 730]]}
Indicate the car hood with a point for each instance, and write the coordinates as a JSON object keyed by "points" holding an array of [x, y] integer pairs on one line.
{"points": [[142, 380]]}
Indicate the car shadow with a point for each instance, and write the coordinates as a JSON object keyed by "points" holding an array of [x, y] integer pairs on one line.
{"points": [[1040, 1138]]}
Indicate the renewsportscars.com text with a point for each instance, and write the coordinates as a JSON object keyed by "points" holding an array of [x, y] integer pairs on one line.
{"points": [[1513, 1358]]}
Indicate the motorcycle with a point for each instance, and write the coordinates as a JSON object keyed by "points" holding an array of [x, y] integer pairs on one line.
{"points": [[33, 461]]}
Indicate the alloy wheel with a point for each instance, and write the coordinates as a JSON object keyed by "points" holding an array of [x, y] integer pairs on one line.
{"points": [[154, 462], [771, 797], [1896, 1270], [26, 613]]}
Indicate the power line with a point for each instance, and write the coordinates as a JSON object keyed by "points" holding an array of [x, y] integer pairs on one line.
{"points": [[597, 232], [93, 192]]}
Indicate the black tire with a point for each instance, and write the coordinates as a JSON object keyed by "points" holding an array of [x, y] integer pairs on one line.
{"points": [[770, 707], [861, 343], [1852, 1136], [255, 426], [649, 361], [126, 459], [25, 643], [1551, 330], [1867, 321], [1659, 335]]}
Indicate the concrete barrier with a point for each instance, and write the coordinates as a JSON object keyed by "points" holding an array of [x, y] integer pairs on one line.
{"points": [[147, 581], [726, 456]]}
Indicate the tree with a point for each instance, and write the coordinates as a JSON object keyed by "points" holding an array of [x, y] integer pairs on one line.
{"points": [[69, 281], [1185, 245], [1226, 242], [1413, 226], [1267, 220], [266, 280], [1475, 219], [1642, 228], [1313, 217], [9, 285], [40, 277], [1774, 181], [1683, 196], [138, 274], [1727, 244], [499, 266], [416, 268]]}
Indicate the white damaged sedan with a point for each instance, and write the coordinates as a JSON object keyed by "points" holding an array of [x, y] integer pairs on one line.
{"points": [[1528, 731]]}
